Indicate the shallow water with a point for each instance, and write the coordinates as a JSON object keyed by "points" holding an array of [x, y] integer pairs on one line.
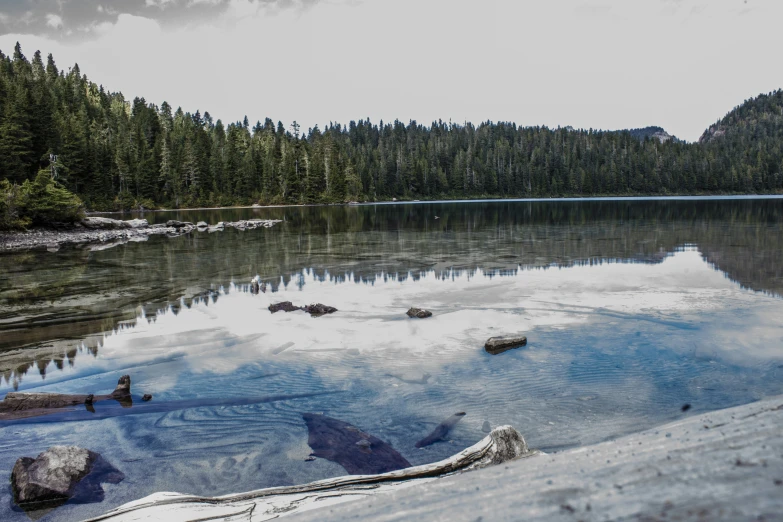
{"points": [[632, 309]]}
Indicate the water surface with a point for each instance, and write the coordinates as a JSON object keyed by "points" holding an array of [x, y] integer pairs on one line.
{"points": [[632, 309]]}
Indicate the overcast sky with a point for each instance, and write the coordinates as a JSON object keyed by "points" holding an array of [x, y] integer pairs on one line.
{"points": [[610, 64]]}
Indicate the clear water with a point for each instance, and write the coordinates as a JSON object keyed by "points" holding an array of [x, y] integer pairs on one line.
{"points": [[632, 309]]}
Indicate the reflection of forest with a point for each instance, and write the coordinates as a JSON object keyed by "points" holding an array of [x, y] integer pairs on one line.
{"points": [[52, 302]]}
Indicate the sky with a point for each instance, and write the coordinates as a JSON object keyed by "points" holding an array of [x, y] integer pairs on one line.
{"points": [[602, 64]]}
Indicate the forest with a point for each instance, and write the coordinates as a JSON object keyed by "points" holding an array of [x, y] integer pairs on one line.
{"points": [[117, 154]]}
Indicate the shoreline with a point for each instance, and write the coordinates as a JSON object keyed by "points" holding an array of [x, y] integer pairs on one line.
{"points": [[721, 465], [681, 197], [95, 233], [53, 238]]}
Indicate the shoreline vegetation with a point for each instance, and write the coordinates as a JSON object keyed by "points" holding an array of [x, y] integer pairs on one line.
{"points": [[117, 154]]}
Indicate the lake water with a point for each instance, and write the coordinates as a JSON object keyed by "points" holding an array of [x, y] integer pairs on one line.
{"points": [[632, 309]]}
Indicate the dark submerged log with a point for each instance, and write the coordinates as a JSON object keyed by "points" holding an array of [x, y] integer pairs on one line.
{"points": [[443, 429]]}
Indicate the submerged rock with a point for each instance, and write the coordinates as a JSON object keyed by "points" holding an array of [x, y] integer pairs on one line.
{"points": [[59, 474], [419, 313], [285, 306], [498, 345], [319, 309], [443, 429], [358, 452]]}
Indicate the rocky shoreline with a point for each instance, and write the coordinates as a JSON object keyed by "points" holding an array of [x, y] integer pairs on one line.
{"points": [[98, 233]]}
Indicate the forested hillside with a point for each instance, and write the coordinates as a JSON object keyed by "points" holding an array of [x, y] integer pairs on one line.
{"points": [[117, 153]]}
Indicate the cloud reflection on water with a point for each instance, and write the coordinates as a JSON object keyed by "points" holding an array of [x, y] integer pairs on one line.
{"points": [[612, 348]]}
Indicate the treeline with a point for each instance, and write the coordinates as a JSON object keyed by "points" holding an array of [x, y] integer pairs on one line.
{"points": [[118, 154]]}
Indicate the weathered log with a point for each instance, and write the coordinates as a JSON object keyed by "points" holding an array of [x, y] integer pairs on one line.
{"points": [[503, 444], [20, 405]]}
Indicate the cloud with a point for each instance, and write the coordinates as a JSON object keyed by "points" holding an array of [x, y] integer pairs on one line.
{"points": [[677, 64], [82, 18]]}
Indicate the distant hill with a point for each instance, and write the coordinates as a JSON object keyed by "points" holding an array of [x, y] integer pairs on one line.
{"points": [[653, 132], [758, 119]]}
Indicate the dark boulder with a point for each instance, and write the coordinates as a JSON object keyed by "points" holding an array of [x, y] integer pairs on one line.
{"points": [[285, 306], [419, 313], [173, 223], [497, 345], [59, 474], [146, 397], [319, 309], [358, 452]]}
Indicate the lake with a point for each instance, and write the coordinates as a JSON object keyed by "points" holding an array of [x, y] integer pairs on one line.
{"points": [[632, 309]]}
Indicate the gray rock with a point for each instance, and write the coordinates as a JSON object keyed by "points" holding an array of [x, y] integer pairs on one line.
{"points": [[100, 223], [419, 313], [138, 223], [497, 345], [55, 476], [173, 223], [202, 224], [486, 428]]}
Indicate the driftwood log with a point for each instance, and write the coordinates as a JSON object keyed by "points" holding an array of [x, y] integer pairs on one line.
{"points": [[503, 444]]}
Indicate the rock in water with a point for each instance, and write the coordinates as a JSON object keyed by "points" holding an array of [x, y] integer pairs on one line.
{"points": [[95, 223], [497, 345], [285, 306], [138, 223], [59, 474], [173, 223], [440, 433], [358, 452], [419, 313], [201, 225], [318, 309]]}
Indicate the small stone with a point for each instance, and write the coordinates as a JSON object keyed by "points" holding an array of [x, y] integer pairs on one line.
{"points": [[419, 313], [285, 306], [498, 345], [146, 397], [319, 309], [202, 225]]}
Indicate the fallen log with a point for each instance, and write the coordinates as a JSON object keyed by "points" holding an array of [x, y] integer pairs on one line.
{"points": [[502, 445]]}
